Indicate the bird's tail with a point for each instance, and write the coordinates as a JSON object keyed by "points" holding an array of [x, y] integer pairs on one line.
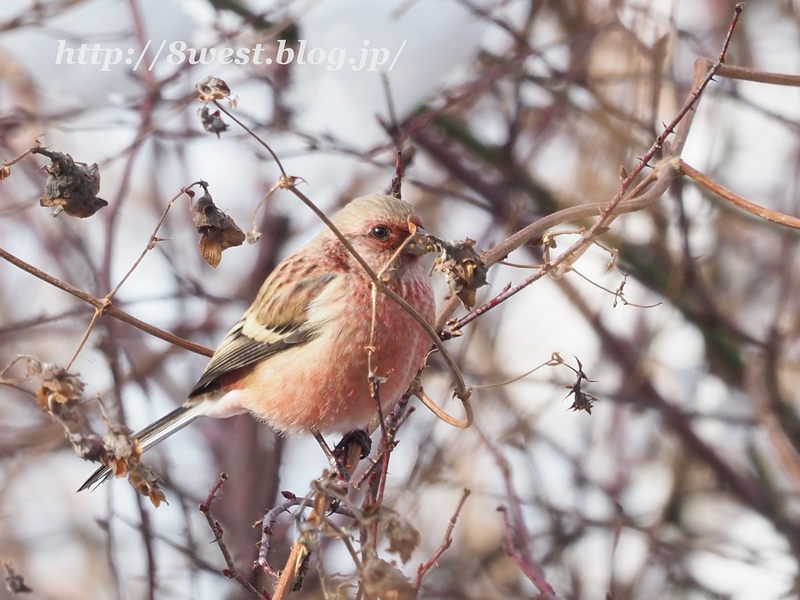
{"points": [[151, 435]]}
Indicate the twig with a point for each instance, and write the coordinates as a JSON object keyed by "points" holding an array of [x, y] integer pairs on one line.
{"points": [[256, 137], [423, 568], [186, 551], [531, 569], [231, 572], [541, 226], [146, 530], [756, 383], [517, 540], [419, 392], [393, 422], [394, 131], [745, 74], [488, 386], [665, 172], [266, 534], [107, 308], [106, 301], [299, 554], [286, 583]]}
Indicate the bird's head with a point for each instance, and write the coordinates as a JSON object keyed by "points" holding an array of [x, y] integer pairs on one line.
{"points": [[378, 225]]}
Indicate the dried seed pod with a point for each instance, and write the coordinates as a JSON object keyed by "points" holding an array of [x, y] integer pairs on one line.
{"points": [[218, 231], [71, 186], [463, 268], [212, 122], [212, 88]]}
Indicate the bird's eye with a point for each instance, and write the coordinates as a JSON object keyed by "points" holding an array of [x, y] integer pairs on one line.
{"points": [[380, 232]]}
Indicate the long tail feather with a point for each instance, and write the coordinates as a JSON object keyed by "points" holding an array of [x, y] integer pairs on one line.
{"points": [[150, 436]]}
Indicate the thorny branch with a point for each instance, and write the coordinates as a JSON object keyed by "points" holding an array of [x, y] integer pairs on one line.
{"points": [[216, 528], [665, 171], [266, 523]]}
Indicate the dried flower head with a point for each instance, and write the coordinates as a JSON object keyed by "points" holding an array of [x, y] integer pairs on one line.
{"points": [[59, 392]]}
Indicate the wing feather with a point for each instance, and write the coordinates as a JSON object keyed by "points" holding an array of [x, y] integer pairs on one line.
{"points": [[275, 321]]}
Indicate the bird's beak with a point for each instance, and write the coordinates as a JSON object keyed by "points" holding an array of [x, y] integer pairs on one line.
{"points": [[420, 244]]}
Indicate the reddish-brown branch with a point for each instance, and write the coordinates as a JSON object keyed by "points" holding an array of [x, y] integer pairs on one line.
{"points": [[266, 534], [518, 543], [231, 572], [745, 74], [529, 567], [105, 306]]}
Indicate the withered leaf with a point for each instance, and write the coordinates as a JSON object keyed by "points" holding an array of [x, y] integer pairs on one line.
{"points": [[15, 583], [402, 535], [384, 581], [71, 186], [146, 483], [218, 231]]}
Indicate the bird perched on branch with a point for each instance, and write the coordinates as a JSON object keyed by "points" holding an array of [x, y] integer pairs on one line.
{"points": [[298, 358]]}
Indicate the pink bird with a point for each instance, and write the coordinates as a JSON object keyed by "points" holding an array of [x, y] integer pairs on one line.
{"points": [[297, 359]]}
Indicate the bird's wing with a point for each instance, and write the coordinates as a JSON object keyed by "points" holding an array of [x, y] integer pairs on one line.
{"points": [[275, 321]]}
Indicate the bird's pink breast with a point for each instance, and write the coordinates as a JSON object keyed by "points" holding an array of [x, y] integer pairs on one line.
{"points": [[323, 385]]}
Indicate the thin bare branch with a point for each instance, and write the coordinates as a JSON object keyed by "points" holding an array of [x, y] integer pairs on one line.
{"points": [[107, 308]]}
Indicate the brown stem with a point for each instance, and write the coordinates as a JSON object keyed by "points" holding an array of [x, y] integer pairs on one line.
{"points": [[736, 199], [745, 74]]}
